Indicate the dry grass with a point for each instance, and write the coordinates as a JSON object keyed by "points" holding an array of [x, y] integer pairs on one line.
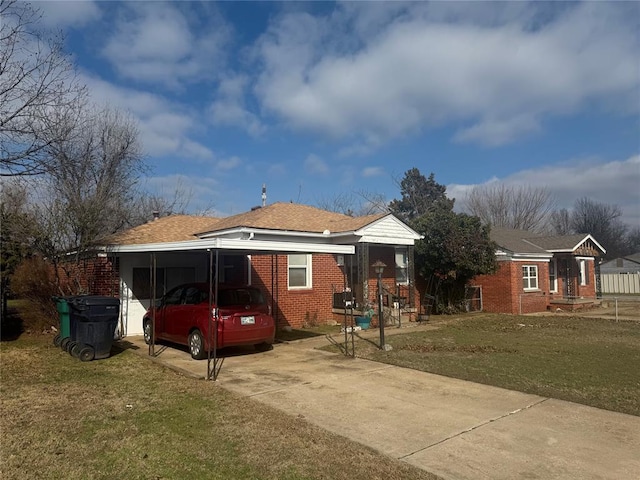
{"points": [[124, 417], [585, 360]]}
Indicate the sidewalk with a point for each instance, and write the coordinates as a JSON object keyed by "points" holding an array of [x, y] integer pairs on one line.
{"points": [[450, 427]]}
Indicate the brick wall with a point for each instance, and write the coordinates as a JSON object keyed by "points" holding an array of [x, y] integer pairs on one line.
{"points": [[93, 276], [297, 308], [503, 291]]}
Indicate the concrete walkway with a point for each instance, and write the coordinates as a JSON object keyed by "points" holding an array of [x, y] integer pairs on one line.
{"points": [[454, 428]]}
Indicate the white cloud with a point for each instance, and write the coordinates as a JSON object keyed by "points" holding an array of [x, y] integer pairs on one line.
{"points": [[613, 182], [500, 74], [229, 108], [314, 164], [229, 163], [165, 128], [372, 172], [61, 14], [164, 45]]}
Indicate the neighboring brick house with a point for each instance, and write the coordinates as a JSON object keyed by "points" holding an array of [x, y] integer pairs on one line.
{"points": [[538, 273], [301, 256]]}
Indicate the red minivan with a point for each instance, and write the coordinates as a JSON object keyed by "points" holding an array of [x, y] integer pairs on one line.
{"points": [[182, 316]]}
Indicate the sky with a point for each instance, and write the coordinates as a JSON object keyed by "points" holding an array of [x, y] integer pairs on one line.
{"points": [[321, 99]]}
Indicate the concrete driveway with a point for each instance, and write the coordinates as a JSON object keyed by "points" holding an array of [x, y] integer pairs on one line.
{"points": [[454, 428]]}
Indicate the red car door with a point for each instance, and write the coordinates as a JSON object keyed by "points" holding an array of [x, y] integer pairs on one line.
{"points": [[171, 306]]}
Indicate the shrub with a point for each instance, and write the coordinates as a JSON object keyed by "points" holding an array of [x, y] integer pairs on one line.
{"points": [[33, 281]]}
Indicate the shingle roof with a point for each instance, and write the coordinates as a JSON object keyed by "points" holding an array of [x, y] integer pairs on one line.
{"points": [[564, 242], [522, 241], [175, 228], [515, 240], [293, 217], [278, 216]]}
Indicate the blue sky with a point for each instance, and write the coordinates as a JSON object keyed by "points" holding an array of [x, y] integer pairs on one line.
{"points": [[319, 99]]}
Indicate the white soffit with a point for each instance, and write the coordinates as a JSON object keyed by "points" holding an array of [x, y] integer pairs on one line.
{"points": [[254, 246]]}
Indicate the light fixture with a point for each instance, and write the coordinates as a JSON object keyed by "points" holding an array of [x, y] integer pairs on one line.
{"points": [[378, 267]]}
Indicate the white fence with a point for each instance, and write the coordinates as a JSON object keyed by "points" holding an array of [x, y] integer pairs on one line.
{"points": [[620, 283]]}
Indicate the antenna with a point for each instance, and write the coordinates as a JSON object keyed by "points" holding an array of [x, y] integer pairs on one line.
{"points": [[264, 194]]}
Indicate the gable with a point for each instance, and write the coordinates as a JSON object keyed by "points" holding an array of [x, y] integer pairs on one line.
{"points": [[388, 230]]}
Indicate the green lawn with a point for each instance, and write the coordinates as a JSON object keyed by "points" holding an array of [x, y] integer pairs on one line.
{"points": [[128, 418], [591, 361]]}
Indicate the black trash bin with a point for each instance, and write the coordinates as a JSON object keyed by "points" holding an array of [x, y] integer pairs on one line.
{"points": [[93, 323]]}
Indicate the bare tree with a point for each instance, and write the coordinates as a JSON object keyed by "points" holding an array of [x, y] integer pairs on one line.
{"points": [[88, 196], [560, 222], [162, 203], [354, 204], [16, 225], [603, 222], [519, 207], [40, 94]]}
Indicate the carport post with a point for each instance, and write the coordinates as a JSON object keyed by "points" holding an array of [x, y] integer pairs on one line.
{"points": [[212, 372], [154, 282]]}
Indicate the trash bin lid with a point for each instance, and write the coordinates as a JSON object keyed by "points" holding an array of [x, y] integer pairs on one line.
{"points": [[94, 300]]}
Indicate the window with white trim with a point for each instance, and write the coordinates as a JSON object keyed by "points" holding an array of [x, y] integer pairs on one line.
{"points": [[299, 271], [530, 277], [584, 273], [402, 264], [553, 276]]}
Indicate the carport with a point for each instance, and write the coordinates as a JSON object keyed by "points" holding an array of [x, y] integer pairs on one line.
{"points": [[208, 252]]}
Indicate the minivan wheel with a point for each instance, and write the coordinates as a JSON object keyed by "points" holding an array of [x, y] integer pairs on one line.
{"points": [[196, 345], [147, 329]]}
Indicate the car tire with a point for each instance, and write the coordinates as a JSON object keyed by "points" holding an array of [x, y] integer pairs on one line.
{"points": [[263, 347], [147, 329], [196, 345]]}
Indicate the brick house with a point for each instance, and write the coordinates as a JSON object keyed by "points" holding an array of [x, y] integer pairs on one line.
{"points": [[538, 273], [303, 258]]}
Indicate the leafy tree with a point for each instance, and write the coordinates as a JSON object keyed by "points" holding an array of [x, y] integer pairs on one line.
{"points": [[519, 207], [419, 196], [40, 94], [456, 247]]}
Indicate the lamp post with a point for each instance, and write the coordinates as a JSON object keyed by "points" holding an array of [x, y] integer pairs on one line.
{"points": [[378, 267]]}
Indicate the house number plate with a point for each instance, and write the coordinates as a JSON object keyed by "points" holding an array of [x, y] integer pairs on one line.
{"points": [[247, 320]]}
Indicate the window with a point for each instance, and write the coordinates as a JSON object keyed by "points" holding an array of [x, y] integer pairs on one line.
{"points": [[530, 277], [553, 277], [174, 297], [194, 296], [402, 263], [141, 287], [299, 271], [584, 273]]}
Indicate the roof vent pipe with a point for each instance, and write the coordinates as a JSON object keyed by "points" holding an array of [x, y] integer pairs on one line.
{"points": [[264, 194], [156, 215]]}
